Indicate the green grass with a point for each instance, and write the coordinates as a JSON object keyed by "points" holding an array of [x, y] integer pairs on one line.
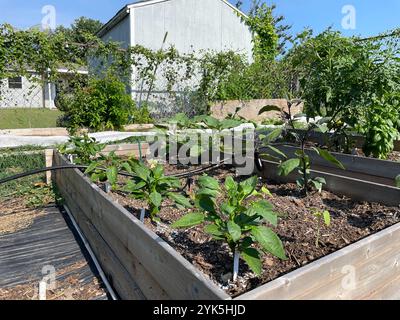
{"points": [[28, 118], [18, 163]]}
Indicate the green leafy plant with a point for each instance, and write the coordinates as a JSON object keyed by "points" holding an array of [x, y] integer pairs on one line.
{"points": [[380, 127], [105, 168], [322, 218], [102, 105], [83, 147], [150, 184], [348, 80], [235, 222], [302, 162]]}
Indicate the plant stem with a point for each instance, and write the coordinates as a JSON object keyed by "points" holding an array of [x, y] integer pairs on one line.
{"points": [[236, 259], [318, 233]]}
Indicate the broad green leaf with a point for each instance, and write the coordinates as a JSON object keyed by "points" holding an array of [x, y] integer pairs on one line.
{"points": [[230, 123], [91, 167], [126, 167], [264, 209], [269, 108], [141, 171], [234, 230], [112, 175], [227, 209], [189, 220], [180, 199], [207, 192], [266, 191], [230, 184], [318, 183], [158, 171], [288, 166], [277, 151], [208, 182], [269, 241], [253, 260], [214, 230], [329, 157], [132, 186], [327, 218], [97, 176], [156, 198], [205, 203], [249, 185], [211, 122], [246, 243], [273, 135]]}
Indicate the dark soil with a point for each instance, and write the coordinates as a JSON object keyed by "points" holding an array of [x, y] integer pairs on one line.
{"points": [[351, 221]]}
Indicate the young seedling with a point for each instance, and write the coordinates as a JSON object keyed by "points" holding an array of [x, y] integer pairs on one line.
{"points": [[150, 184], [322, 218], [240, 225]]}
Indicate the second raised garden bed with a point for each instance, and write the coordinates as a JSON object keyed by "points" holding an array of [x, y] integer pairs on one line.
{"points": [[359, 258]]}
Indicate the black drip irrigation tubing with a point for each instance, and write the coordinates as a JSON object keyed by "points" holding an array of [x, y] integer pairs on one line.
{"points": [[184, 175]]}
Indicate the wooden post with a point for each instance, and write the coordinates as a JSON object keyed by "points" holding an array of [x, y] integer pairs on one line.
{"points": [[48, 153]]}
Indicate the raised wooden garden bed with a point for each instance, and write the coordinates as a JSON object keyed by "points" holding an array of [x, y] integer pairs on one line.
{"points": [[362, 168], [141, 265]]}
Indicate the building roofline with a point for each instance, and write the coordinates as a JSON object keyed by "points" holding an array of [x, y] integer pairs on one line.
{"points": [[124, 12]]}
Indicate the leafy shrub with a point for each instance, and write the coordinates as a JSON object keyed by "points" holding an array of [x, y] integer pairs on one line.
{"points": [[140, 115], [102, 105]]}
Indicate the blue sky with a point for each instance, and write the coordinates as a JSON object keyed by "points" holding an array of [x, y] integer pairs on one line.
{"points": [[372, 16]]}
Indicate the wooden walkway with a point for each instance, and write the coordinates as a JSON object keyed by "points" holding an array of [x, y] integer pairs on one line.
{"points": [[48, 240]]}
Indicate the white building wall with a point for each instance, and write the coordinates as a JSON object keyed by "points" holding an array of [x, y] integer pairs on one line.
{"points": [[192, 25]]}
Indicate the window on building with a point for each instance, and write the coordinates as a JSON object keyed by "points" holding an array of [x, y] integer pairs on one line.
{"points": [[15, 83]]}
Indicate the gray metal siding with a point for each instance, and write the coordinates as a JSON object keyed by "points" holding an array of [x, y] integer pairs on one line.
{"points": [[120, 33]]}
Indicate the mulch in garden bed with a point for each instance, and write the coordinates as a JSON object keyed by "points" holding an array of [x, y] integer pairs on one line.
{"points": [[297, 227]]}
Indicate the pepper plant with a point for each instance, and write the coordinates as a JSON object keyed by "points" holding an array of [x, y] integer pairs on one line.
{"points": [[106, 168], [302, 162], [83, 147], [150, 184], [240, 225]]}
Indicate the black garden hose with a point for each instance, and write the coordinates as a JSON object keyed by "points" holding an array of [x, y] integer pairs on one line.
{"points": [[122, 173], [42, 170]]}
